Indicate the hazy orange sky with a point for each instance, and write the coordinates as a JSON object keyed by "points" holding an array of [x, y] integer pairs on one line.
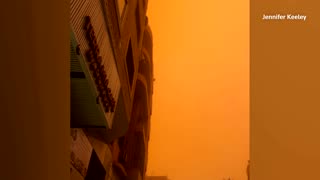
{"points": [[200, 120]]}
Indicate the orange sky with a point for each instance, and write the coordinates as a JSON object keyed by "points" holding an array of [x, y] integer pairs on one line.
{"points": [[200, 120]]}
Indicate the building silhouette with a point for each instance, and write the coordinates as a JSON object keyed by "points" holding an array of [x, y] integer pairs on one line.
{"points": [[156, 178], [111, 71], [248, 170]]}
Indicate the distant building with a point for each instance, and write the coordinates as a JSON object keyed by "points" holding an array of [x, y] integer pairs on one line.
{"points": [[248, 170], [156, 178], [111, 70]]}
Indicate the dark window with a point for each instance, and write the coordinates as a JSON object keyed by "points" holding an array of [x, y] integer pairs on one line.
{"points": [[79, 75], [130, 64], [96, 170]]}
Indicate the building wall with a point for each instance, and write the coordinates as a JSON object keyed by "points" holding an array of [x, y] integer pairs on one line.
{"points": [[80, 10], [131, 29], [134, 174], [118, 36], [123, 33]]}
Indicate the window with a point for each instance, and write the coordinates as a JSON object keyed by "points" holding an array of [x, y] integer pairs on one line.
{"points": [[96, 170], [130, 64]]}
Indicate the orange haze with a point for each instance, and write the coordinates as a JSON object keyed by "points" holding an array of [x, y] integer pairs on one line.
{"points": [[200, 119]]}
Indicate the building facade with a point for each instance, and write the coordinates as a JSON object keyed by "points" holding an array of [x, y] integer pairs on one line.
{"points": [[111, 88]]}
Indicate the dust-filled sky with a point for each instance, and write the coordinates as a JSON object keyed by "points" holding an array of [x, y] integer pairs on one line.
{"points": [[200, 116]]}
